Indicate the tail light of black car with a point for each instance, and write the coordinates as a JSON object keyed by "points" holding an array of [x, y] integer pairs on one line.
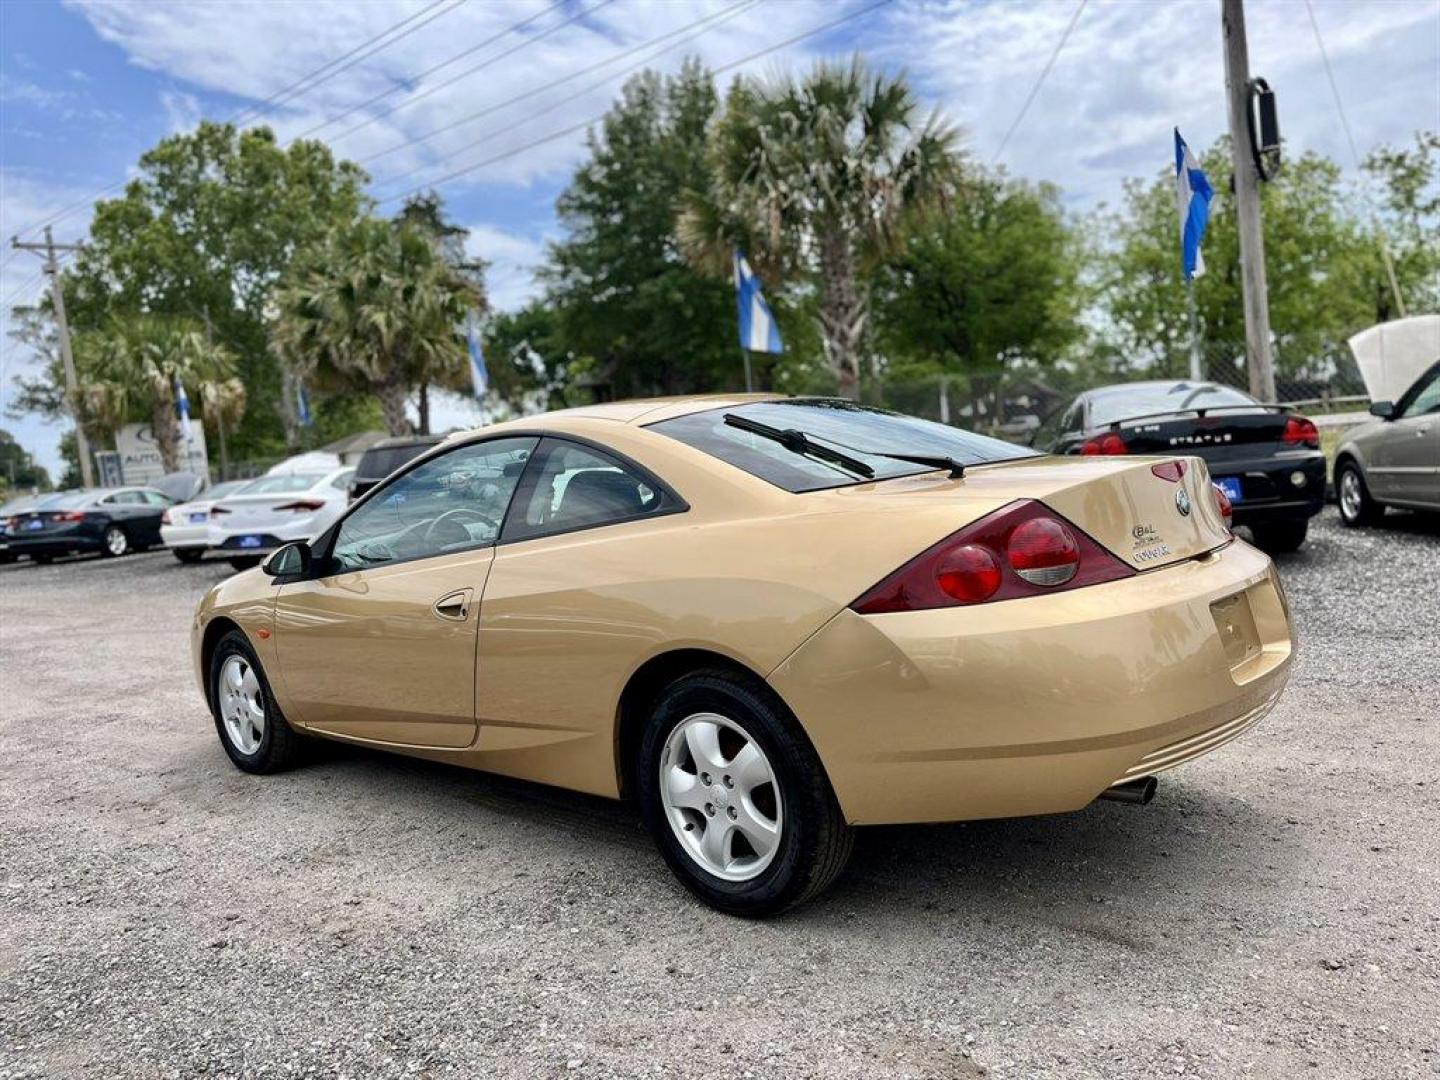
{"points": [[1024, 549], [1108, 443], [1301, 431], [66, 515]]}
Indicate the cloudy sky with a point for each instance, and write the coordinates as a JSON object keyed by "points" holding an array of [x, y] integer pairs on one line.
{"points": [[471, 84]]}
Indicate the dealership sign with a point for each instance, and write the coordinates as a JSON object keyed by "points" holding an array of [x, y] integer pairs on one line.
{"points": [[140, 455]]}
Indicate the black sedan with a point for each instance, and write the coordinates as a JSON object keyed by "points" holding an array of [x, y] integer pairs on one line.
{"points": [[1265, 458], [112, 521]]}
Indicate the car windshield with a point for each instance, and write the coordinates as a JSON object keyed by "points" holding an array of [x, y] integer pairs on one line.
{"points": [[862, 433], [1116, 403], [281, 484]]}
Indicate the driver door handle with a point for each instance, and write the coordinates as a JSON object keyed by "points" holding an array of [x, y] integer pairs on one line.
{"points": [[454, 605]]}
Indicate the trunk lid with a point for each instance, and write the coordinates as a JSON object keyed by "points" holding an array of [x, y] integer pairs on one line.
{"points": [[1119, 501], [1187, 433]]}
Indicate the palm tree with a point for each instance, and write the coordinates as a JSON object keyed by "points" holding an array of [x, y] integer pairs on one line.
{"points": [[133, 367], [375, 307], [817, 178], [224, 402]]}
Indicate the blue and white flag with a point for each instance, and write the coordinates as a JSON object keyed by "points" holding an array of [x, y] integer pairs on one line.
{"points": [[182, 408], [758, 331], [479, 375], [1192, 196], [302, 406]]}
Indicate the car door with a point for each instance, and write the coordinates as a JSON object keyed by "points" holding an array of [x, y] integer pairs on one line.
{"points": [[559, 627], [147, 524], [379, 643], [1412, 445]]}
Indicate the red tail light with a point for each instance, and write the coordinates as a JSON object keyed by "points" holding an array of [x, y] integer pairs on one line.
{"points": [[216, 511], [1223, 504], [1174, 471], [298, 505], [1109, 443], [1023, 549], [1301, 431], [68, 515]]}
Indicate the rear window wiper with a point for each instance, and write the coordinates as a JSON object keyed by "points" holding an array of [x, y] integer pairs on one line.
{"points": [[797, 442], [935, 461]]}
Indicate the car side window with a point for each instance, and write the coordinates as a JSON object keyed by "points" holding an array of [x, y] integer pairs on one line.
{"points": [[127, 498], [451, 503], [579, 487], [1427, 401], [154, 498]]}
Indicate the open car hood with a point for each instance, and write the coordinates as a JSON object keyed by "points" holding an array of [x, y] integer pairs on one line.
{"points": [[1393, 355]]}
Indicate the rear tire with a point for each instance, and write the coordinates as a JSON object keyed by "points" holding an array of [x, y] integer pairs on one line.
{"points": [[42, 560], [1281, 537], [245, 562], [252, 729], [188, 555], [786, 788], [116, 543], [1356, 505]]}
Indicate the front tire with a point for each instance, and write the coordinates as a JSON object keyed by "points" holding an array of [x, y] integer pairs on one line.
{"points": [[737, 799], [252, 729], [115, 543], [1356, 505], [1281, 537]]}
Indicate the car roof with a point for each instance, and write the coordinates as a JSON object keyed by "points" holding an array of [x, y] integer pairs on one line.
{"points": [[649, 410]]}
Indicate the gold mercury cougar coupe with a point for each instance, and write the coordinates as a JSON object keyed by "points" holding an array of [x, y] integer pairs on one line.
{"points": [[766, 621]]}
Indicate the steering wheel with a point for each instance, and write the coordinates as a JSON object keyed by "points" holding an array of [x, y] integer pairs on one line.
{"points": [[451, 519]]}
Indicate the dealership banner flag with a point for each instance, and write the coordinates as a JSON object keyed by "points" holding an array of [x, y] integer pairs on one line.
{"points": [[302, 406], [479, 375], [182, 407], [1192, 196], [758, 331]]}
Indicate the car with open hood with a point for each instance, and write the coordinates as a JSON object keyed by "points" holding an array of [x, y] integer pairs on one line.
{"points": [[766, 621]]}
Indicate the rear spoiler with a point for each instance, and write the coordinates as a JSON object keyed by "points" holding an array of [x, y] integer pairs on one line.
{"points": [[1201, 411]]}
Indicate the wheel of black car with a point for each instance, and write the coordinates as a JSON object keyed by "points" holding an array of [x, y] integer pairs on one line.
{"points": [[1356, 505], [736, 798], [252, 729], [245, 562], [1280, 537], [189, 555], [42, 560], [115, 543]]}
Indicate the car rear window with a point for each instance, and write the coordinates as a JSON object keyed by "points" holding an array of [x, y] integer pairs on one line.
{"points": [[281, 484], [1126, 402], [858, 430]]}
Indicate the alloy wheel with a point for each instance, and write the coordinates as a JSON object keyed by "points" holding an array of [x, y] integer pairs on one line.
{"points": [[242, 704], [116, 542], [721, 797], [1352, 498]]}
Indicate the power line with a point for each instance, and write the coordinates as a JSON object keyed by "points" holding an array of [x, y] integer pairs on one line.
{"points": [[430, 71], [471, 71], [1035, 90], [714, 20], [1359, 168], [24, 287], [315, 78], [596, 119], [89, 200]]}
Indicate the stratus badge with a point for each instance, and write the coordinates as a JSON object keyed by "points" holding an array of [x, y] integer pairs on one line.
{"points": [[1182, 503]]}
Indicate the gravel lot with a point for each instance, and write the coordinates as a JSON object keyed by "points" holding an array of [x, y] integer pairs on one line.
{"points": [[1274, 913]]}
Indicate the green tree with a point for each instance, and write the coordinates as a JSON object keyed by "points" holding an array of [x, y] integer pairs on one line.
{"points": [[18, 470], [625, 302], [133, 368], [816, 179], [203, 233], [374, 308], [986, 284], [1408, 179], [1326, 279]]}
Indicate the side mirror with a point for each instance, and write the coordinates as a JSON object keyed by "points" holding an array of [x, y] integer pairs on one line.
{"points": [[1383, 409], [290, 561]]}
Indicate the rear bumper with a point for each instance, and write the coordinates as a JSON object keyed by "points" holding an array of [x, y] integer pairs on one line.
{"points": [[185, 536], [53, 544], [1036, 706], [1269, 493]]}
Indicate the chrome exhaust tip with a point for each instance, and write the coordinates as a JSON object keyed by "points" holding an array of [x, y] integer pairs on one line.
{"points": [[1139, 791]]}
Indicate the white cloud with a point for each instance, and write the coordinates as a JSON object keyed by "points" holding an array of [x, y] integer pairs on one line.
{"points": [[182, 110], [512, 258]]}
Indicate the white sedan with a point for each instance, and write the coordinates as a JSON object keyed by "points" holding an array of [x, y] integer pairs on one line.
{"points": [[276, 510], [185, 529]]}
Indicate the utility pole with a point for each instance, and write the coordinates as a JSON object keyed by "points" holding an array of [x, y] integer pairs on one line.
{"points": [[1259, 360], [57, 294]]}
